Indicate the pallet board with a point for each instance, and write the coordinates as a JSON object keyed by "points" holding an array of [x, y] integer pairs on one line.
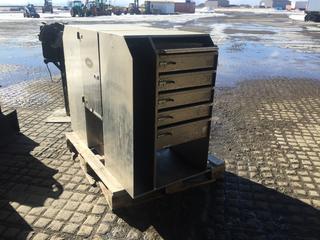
{"points": [[94, 162], [58, 116], [116, 196]]}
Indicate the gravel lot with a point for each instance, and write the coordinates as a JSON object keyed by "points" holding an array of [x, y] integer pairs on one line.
{"points": [[266, 128]]}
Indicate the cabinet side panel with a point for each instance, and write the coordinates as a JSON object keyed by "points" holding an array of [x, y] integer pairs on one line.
{"points": [[144, 86], [117, 102], [72, 57]]}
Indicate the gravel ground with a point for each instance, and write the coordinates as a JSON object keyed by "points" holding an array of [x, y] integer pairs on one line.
{"points": [[266, 128]]}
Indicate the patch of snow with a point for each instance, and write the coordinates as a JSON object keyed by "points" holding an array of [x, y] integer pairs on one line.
{"points": [[297, 17], [204, 10], [217, 33], [65, 16]]}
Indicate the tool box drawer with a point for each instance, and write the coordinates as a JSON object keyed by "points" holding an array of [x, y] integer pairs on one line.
{"points": [[187, 61], [185, 80], [179, 98], [171, 136], [183, 114]]}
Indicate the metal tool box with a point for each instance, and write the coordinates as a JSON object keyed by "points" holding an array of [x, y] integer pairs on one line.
{"points": [[142, 98]]}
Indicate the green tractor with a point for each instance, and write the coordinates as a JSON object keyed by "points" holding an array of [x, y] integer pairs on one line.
{"points": [[77, 9], [90, 8], [97, 8]]}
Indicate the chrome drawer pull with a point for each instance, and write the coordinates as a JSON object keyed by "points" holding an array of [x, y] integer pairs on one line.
{"points": [[164, 134], [165, 100], [165, 63], [164, 82], [163, 118]]}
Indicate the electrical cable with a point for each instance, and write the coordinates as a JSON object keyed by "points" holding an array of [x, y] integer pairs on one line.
{"points": [[50, 74]]}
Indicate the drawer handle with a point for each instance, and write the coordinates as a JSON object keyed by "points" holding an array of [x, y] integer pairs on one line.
{"points": [[163, 118], [164, 134], [165, 63], [165, 100], [164, 82]]}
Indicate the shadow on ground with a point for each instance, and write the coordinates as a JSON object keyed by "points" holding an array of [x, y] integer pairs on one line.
{"points": [[235, 208], [25, 183]]}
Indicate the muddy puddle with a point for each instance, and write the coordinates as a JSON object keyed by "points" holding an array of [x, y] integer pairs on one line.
{"points": [[240, 61], [248, 51], [19, 64]]}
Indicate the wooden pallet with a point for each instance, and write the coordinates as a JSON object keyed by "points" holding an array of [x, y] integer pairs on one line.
{"points": [[117, 197], [58, 116]]}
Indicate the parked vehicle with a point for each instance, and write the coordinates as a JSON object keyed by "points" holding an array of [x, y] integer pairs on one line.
{"points": [[101, 8], [30, 12], [300, 5], [119, 10], [77, 9], [313, 11], [16, 9], [90, 9], [47, 7], [64, 8], [134, 8]]}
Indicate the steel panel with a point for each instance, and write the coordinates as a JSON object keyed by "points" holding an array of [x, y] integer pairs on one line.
{"points": [[117, 98], [144, 68], [90, 70], [74, 81]]}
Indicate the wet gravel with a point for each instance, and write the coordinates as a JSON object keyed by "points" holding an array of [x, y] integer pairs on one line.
{"points": [[273, 43]]}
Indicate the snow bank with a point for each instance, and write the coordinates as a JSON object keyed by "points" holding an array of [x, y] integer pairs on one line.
{"points": [[65, 16], [298, 17]]}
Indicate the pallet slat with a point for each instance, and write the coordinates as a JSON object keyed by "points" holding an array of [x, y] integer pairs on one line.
{"points": [[95, 163], [84, 167], [115, 194]]}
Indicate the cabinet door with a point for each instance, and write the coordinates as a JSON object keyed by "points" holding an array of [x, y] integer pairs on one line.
{"points": [[73, 64], [89, 46]]}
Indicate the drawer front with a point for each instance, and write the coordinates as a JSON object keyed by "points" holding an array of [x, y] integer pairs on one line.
{"points": [[179, 62], [181, 134], [185, 80], [167, 100], [183, 114]]}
